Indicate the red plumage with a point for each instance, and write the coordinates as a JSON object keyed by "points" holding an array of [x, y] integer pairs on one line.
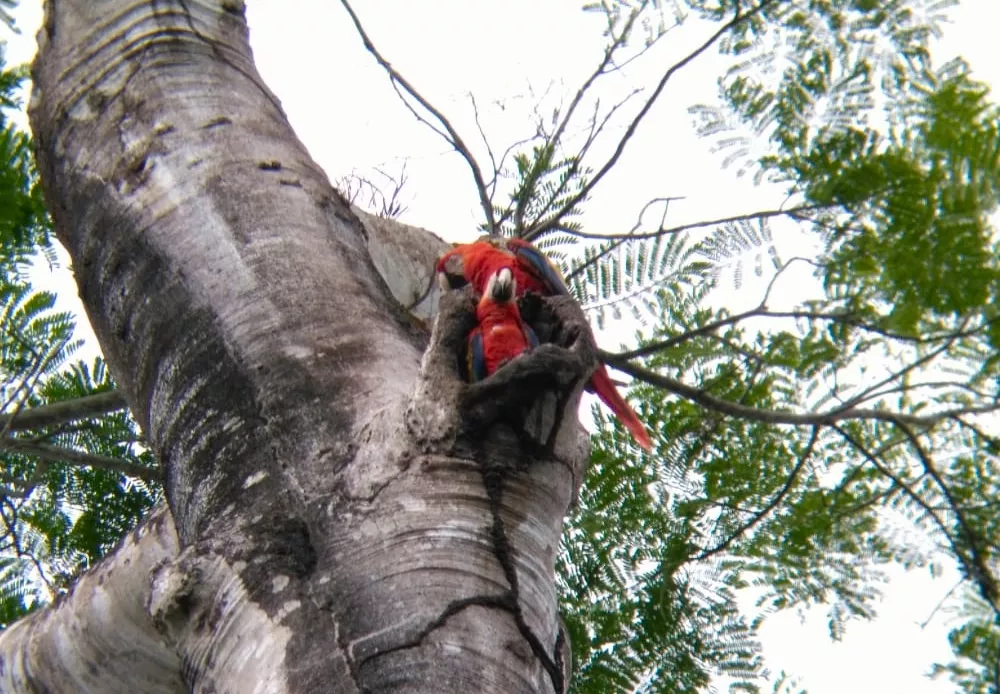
{"points": [[500, 333], [474, 263]]}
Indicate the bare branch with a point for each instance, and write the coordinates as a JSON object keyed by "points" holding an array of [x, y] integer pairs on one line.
{"points": [[728, 407], [453, 138], [58, 454], [354, 185], [634, 125], [665, 231], [761, 312], [491, 186], [553, 223], [64, 411], [609, 53]]}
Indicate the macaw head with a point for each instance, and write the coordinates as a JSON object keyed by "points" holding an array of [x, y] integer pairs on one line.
{"points": [[501, 287], [450, 269], [466, 262]]}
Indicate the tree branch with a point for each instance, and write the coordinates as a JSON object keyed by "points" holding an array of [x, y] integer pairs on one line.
{"points": [[728, 407], [58, 454], [615, 244], [664, 231], [973, 567], [634, 125], [771, 505], [454, 139], [64, 411], [761, 312], [978, 569]]}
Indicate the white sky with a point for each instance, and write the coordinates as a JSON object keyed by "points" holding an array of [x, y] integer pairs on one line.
{"points": [[342, 107]]}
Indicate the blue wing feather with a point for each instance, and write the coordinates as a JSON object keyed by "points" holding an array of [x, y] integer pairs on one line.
{"points": [[541, 267], [530, 335], [476, 357]]}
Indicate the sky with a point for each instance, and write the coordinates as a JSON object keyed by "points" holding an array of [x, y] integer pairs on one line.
{"points": [[511, 56]]}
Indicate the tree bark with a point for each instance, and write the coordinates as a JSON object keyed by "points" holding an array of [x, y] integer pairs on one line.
{"points": [[350, 515]]}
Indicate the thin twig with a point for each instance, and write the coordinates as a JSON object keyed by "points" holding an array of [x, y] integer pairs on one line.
{"points": [[615, 244], [745, 217], [454, 139], [940, 604], [770, 505], [900, 373], [634, 125]]}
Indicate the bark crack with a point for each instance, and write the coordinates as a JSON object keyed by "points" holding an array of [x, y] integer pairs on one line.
{"points": [[493, 481], [496, 602], [352, 667]]}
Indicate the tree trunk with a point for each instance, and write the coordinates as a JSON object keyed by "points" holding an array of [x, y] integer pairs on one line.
{"points": [[348, 516]]}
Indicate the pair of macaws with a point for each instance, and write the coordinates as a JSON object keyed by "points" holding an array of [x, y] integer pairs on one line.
{"points": [[501, 270]]}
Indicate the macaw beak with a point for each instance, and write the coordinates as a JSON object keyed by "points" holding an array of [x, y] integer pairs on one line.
{"points": [[501, 286]]}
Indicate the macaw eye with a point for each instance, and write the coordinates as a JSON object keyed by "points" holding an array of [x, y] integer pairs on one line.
{"points": [[448, 281]]}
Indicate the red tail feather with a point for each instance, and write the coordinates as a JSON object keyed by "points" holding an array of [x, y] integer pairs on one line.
{"points": [[606, 391]]}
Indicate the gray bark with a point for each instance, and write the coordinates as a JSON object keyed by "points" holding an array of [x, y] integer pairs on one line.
{"points": [[350, 515]]}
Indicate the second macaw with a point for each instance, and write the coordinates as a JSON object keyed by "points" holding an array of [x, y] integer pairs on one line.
{"points": [[475, 263], [500, 333]]}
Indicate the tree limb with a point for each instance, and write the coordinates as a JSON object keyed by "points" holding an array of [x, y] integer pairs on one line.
{"points": [[58, 454], [728, 407], [454, 139], [65, 411], [634, 125], [972, 566], [977, 568]]}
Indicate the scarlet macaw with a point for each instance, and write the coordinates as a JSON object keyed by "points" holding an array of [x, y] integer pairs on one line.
{"points": [[500, 334], [474, 263]]}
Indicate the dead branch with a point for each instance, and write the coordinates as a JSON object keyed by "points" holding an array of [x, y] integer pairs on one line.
{"points": [[452, 137], [630, 131]]}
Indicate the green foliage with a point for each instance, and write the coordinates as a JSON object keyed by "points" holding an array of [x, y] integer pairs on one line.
{"points": [[24, 226], [824, 441], [57, 516], [613, 276], [908, 201], [977, 645], [74, 514], [797, 453], [639, 619]]}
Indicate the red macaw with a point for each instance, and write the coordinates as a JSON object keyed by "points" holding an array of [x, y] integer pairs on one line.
{"points": [[474, 263], [500, 334]]}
